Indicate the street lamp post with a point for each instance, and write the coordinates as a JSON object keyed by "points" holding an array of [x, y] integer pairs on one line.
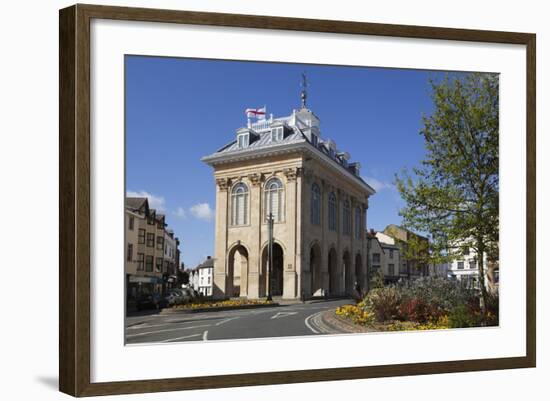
{"points": [[269, 256]]}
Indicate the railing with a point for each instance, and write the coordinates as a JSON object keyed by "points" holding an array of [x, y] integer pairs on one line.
{"points": [[261, 125]]}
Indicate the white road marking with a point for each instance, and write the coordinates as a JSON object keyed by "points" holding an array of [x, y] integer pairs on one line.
{"points": [[148, 326], [283, 314], [205, 335], [226, 320], [162, 331], [308, 325], [179, 338]]}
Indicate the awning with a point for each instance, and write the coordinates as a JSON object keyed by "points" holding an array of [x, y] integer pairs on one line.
{"points": [[144, 279]]}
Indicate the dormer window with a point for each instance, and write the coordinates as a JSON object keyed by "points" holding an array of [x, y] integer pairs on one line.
{"points": [[314, 140], [243, 140], [331, 153], [277, 134]]}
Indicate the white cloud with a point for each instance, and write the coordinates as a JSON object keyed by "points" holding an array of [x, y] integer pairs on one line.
{"points": [[155, 202], [378, 185], [181, 213], [202, 211]]}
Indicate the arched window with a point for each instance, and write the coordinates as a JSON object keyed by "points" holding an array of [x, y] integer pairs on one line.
{"points": [[239, 205], [358, 222], [332, 212], [347, 218], [315, 204], [274, 199]]}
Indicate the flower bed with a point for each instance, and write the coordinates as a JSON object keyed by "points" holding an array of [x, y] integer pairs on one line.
{"points": [[423, 304], [222, 304], [356, 314]]}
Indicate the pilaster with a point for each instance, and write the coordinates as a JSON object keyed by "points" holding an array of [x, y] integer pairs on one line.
{"points": [[220, 251]]}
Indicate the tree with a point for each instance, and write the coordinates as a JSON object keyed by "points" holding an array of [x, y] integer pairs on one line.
{"points": [[453, 194]]}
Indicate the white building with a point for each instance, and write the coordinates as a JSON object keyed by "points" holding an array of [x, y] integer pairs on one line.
{"points": [[194, 279], [205, 277], [465, 268]]}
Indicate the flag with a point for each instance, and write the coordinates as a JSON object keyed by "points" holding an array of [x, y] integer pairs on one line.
{"points": [[258, 113]]}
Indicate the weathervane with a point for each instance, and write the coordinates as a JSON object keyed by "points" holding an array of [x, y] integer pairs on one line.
{"points": [[304, 90]]}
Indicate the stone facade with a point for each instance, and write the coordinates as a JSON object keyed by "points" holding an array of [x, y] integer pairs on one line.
{"points": [[319, 255], [384, 256], [151, 250]]}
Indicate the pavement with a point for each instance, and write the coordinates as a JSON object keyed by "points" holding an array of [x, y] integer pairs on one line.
{"points": [[293, 319]]}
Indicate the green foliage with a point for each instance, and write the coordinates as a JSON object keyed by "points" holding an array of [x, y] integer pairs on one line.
{"points": [[376, 280], [383, 303], [462, 316], [429, 302], [439, 292], [453, 194], [492, 308]]}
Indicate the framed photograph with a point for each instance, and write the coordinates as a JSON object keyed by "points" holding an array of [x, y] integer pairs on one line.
{"points": [[251, 200]]}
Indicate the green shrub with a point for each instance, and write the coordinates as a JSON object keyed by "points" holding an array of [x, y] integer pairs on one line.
{"points": [[383, 303], [376, 280], [492, 308], [428, 300], [441, 294], [462, 316]]}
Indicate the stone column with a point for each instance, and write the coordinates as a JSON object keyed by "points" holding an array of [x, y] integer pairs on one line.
{"points": [[339, 247], [325, 245], [219, 290], [254, 257], [353, 242], [298, 261], [291, 210], [364, 258]]}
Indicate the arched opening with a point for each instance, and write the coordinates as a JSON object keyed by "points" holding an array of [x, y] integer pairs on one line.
{"points": [[332, 272], [315, 269], [359, 270], [237, 272], [276, 271], [347, 272]]}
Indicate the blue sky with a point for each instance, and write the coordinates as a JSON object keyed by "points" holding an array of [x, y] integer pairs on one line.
{"points": [[178, 110]]}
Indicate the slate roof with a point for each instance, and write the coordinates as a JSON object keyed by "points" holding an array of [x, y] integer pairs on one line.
{"points": [[263, 142], [135, 203], [209, 262]]}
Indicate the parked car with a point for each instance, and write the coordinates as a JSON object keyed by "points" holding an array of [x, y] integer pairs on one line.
{"points": [[194, 294], [173, 298], [187, 294], [178, 296], [150, 301]]}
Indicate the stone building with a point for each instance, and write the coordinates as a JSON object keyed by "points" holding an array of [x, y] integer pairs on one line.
{"points": [[412, 262], [150, 262], [384, 256], [318, 201]]}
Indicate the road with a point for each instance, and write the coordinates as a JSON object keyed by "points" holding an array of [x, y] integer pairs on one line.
{"points": [[277, 321]]}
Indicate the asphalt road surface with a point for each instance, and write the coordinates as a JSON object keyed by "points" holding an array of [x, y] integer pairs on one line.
{"points": [[278, 321]]}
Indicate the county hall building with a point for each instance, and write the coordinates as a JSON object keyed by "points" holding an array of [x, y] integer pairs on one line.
{"points": [[318, 201]]}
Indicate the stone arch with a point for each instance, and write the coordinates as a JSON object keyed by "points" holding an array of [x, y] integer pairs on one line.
{"points": [[237, 271], [316, 275], [277, 278]]}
